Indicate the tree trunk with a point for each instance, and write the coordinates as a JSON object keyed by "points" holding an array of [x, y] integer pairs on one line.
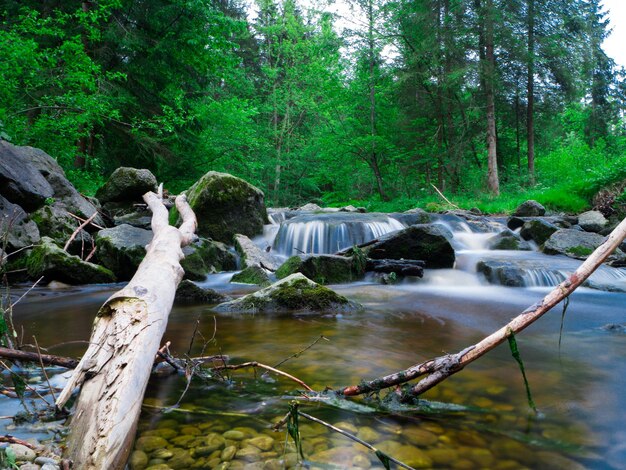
{"points": [[492, 155], [126, 336], [530, 111]]}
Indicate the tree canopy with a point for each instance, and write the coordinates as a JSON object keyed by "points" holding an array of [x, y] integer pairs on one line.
{"points": [[474, 97]]}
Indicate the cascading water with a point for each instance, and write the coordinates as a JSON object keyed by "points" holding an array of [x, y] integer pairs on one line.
{"points": [[331, 232]]}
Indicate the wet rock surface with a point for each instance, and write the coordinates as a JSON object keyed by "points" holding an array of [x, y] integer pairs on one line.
{"points": [[429, 243]]}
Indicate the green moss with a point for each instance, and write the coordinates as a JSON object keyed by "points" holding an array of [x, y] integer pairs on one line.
{"points": [[292, 265], [252, 275], [52, 262], [579, 251], [300, 294]]}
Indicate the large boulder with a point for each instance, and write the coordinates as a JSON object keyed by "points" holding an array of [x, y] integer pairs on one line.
{"points": [[529, 208], [324, 269], [592, 221], [252, 255], [577, 244], [537, 230], [206, 256], [127, 184], [31, 178], [427, 242], [225, 205], [294, 293], [122, 248], [15, 223], [50, 261], [21, 182]]}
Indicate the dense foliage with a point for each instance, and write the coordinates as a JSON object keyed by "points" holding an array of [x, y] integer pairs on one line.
{"points": [[475, 97]]}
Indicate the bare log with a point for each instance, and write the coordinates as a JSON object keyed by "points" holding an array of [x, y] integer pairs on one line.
{"points": [[442, 367], [126, 336]]}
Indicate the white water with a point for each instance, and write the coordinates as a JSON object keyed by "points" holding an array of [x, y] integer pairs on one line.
{"points": [[330, 233]]}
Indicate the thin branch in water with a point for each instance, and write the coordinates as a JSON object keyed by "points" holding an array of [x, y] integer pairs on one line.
{"points": [[43, 369], [321, 337], [8, 369], [266, 367], [26, 293]]}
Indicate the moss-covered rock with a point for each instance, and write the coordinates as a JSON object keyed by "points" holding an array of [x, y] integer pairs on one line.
{"points": [[507, 240], [577, 244], [54, 221], [190, 293], [206, 256], [50, 261], [226, 205], [252, 275], [324, 269], [294, 293], [291, 266], [537, 230], [427, 242], [127, 184], [122, 248]]}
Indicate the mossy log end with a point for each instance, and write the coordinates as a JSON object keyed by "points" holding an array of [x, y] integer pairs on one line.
{"points": [[127, 332]]}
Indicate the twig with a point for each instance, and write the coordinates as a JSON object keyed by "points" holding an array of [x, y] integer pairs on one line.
{"points": [[266, 367], [303, 350], [444, 198], [83, 220], [26, 293], [14, 440], [8, 369], [441, 368], [80, 227], [43, 369]]}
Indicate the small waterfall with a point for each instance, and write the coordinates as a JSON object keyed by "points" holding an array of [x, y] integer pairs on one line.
{"points": [[532, 269], [468, 234], [331, 232]]}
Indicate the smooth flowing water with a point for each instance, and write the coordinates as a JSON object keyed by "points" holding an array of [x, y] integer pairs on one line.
{"points": [[479, 418]]}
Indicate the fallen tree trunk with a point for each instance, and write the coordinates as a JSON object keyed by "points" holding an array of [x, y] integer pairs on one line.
{"points": [[440, 368], [404, 267], [126, 336]]}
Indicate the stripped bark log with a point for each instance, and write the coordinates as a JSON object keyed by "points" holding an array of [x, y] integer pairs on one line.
{"points": [[440, 368], [126, 336]]}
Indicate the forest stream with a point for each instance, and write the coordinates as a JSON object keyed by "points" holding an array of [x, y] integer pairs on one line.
{"points": [[479, 418]]}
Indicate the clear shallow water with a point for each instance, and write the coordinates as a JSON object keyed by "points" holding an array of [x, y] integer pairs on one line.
{"points": [[580, 391]]}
